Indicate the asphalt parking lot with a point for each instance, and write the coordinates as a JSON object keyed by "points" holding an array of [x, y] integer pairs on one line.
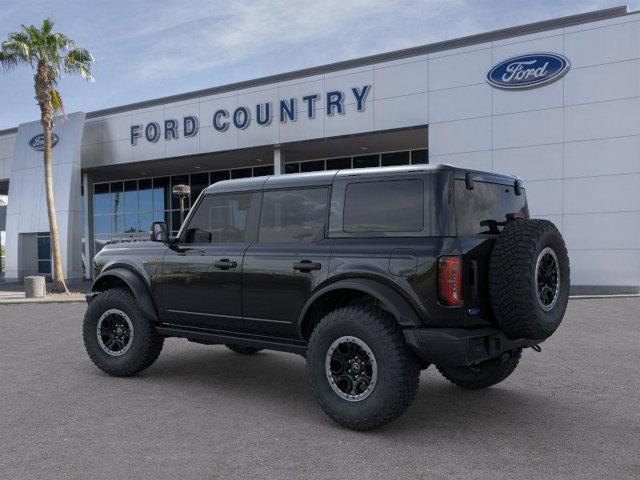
{"points": [[572, 411]]}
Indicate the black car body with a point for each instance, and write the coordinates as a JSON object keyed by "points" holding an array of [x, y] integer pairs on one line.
{"points": [[259, 262]]}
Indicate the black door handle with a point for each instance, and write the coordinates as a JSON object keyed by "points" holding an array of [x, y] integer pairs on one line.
{"points": [[225, 264], [306, 266]]}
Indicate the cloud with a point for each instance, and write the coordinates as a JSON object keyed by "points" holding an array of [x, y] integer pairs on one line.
{"points": [[207, 39], [148, 49]]}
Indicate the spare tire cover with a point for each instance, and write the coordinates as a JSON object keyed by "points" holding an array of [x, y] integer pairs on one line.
{"points": [[529, 279]]}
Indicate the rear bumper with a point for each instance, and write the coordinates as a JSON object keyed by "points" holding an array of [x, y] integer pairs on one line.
{"points": [[457, 346]]}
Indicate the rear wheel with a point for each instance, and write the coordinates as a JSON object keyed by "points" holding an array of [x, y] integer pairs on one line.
{"points": [[243, 350], [361, 372], [482, 375], [117, 336]]}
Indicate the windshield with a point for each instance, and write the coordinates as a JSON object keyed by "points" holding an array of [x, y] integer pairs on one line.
{"points": [[484, 209]]}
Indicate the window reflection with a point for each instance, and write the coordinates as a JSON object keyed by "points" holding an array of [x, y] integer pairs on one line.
{"points": [[126, 209], [145, 195]]}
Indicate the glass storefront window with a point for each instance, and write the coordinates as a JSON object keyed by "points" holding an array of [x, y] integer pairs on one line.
{"points": [[101, 199], [117, 190], [199, 181], [44, 252], [145, 220], [102, 224], [126, 209], [240, 173], [366, 161], [118, 223], [312, 166], [145, 195], [394, 158], [131, 196], [263, 171], [339, 163], [131, 223], [419, 157], [292, 168], [218, 176], [161, 194]]}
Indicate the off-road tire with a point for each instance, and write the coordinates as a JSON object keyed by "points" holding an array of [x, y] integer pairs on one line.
{"points": [[512, 279], [242, 350], [398, 368], [483, 375], [146, 344]]}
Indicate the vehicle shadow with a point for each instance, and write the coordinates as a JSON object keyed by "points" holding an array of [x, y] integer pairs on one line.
{"points": [[280, 383]]}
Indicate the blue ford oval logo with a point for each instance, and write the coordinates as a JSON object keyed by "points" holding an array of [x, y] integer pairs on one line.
{"points": [[528, 71], [37, 142]]}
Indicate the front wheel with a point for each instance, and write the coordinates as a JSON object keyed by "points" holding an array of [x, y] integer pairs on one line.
{"points": [[118, 337], [482, 375], [361, 372]]}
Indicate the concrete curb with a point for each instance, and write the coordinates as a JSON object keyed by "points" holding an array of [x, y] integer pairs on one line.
{"points": [[73, 298], [589, 297]]}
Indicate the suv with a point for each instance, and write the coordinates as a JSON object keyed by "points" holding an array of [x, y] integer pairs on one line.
{"points": [[371, 274]]}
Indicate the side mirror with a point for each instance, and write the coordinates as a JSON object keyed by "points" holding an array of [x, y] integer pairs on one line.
{"points": [[159, 232]]}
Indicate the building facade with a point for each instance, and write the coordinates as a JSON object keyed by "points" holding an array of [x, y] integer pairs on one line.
{"points": [[556, 103]]}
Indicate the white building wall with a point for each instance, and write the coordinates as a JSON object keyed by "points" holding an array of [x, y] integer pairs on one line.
{"points": [[575, 142], [27, 205], [7, 150]]}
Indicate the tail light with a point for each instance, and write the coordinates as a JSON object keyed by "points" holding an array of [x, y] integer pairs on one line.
{"points": [[450, 280]]}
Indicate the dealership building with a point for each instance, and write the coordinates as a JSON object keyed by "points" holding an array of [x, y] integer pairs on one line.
{"points": [[556, 103]]}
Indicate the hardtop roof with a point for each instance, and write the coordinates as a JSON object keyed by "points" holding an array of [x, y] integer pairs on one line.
{"points": [[326, 178]]}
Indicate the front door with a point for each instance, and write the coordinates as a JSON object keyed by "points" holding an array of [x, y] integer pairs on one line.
{"points": [[202, 271], [288, 262]]}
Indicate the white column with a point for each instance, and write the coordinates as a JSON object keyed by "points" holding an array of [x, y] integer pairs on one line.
{"points": [[278, 160], [87, 185]]}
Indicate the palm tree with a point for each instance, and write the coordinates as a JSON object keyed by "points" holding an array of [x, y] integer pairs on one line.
{"points": [[47, 53]]}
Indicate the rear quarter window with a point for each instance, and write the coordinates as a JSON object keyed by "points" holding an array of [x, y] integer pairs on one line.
{"points": [[384, 206], [483, 209]]}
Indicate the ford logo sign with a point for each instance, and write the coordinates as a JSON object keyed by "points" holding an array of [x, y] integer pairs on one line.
{"points": [[528, 71], [37, 142]]}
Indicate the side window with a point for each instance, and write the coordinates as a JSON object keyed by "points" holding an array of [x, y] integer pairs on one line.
{"points": [[387, 206], [296, 215], [221, 219]]}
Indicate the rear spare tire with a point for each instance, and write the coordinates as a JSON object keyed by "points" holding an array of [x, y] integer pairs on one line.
{"points": [[529, 279]]}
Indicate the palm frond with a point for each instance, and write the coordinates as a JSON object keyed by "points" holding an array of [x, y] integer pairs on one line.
{"points": [[47, 25], [19, 44], [8, 60], [56, 101], [79, 60], [47, 52]]}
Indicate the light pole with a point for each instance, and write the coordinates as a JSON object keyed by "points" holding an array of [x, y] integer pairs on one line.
{"points": [[181, 192]]}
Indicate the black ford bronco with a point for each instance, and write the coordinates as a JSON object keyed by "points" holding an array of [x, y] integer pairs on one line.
{"points": [[371, 274]]}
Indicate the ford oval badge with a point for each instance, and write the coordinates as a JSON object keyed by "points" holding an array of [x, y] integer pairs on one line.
{"points": [[37, 142], [528, 71]]}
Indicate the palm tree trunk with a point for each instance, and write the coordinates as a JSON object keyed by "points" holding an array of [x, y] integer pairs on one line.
{"points": [[59, 285]]}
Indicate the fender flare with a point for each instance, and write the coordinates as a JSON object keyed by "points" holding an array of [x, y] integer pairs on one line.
{"points": [[137, 286], [392, 301]]}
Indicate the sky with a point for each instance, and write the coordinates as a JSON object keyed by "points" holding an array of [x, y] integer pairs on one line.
{"points": [[149, 49]]}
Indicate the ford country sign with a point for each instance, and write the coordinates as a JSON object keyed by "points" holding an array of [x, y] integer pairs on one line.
{"points": [[528, 71], [37, 142]]}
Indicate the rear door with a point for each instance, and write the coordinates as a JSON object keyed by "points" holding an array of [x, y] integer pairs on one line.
{"points": [[289, 260]]}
